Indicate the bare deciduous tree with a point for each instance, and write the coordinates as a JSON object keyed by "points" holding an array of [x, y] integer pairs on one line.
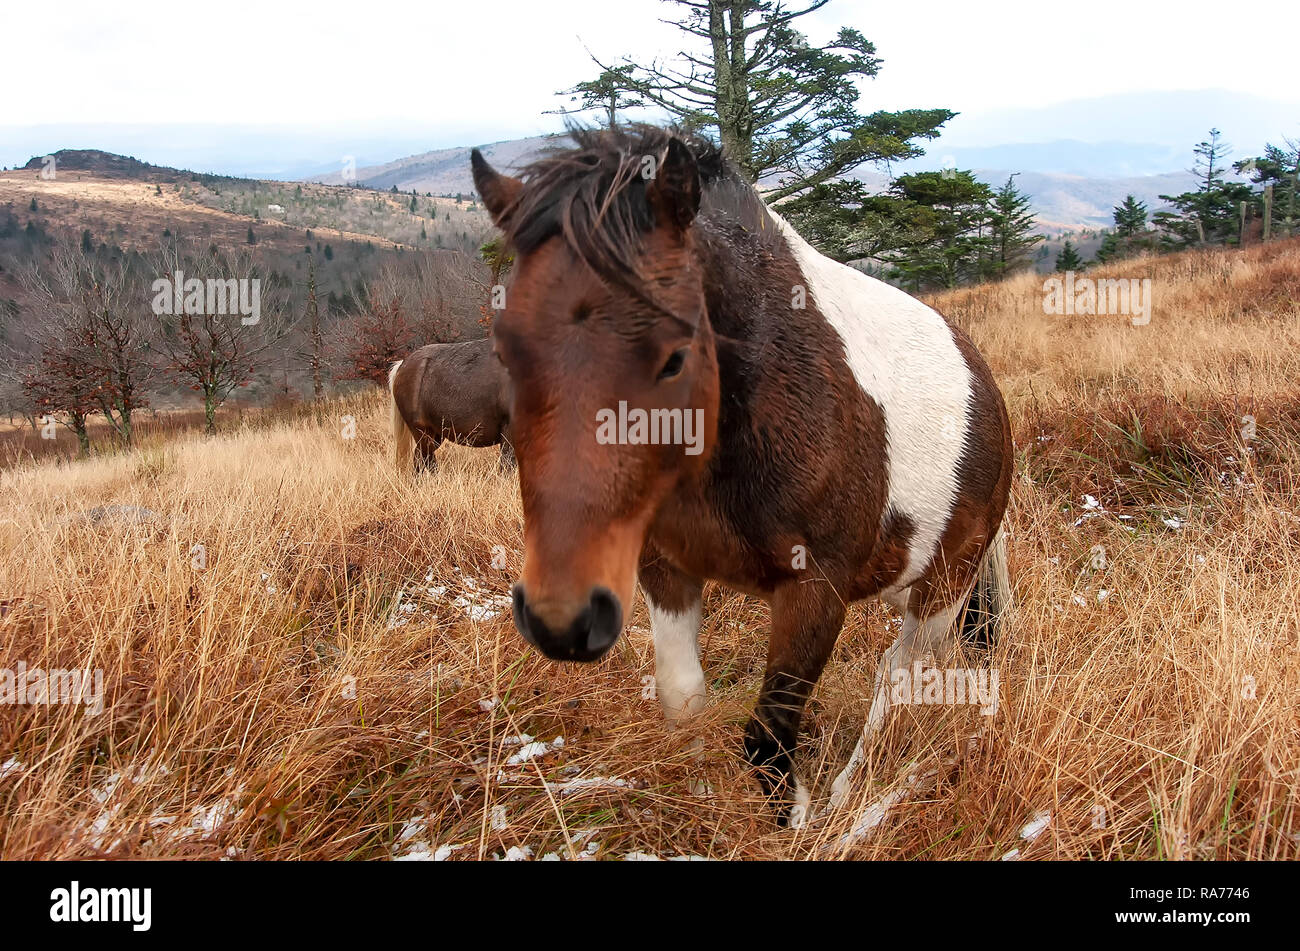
{"points": [[209, 345], [97, 308]]}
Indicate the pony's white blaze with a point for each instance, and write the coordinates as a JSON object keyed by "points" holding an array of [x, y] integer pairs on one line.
{"points": [[903, 355]]}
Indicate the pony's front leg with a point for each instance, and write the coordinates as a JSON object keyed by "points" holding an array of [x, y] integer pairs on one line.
{"points": [[675, 602], [806, 620]]}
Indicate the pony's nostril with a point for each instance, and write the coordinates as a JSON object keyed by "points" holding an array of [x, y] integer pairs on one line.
{"points": [[606, 620], [519, 609]]}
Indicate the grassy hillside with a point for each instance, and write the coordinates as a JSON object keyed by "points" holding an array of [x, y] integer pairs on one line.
{"points": [[356, 238], [156, 196], [334, 673], [134, 207], [434, 222]]}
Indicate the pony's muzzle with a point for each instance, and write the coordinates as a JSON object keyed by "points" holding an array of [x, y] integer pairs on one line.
{"points": [[586, 637]]}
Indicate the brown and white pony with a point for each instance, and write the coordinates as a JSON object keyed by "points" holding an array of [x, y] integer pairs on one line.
{"points": [[449, 391], [852, 443]]}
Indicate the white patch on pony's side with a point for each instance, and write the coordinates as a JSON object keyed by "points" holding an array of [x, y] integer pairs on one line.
{"points": [[679, 678], [903, 356]]}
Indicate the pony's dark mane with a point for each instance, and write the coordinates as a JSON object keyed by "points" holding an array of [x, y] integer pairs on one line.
{"points": [[593, 194]]}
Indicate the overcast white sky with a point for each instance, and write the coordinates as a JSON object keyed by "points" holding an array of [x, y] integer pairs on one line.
{"points": [[454, 72], [455, 61]]}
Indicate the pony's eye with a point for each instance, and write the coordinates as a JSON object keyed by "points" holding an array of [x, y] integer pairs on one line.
{"points": [[674, 365]]}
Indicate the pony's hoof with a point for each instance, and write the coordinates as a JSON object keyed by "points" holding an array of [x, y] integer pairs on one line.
{"points": [[839, 796], [800, 815]]}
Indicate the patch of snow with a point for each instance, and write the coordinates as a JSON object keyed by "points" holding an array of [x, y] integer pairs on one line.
{"points": [[651, 857], [202, 822], [97, 831], [419, 852], [530, 750], [411, 846], [1035, 827], [1091, 509], [477, 602], [207, 821], [570, 786]]}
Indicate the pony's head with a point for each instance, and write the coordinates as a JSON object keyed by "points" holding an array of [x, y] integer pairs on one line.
{"points": [[612, 363]]}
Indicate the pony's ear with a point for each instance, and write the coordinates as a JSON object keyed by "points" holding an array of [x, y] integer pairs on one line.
{"points": [[676, 189], [499, 192]]}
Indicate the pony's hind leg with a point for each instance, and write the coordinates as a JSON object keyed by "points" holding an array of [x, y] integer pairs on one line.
{"points": [[806, 620], [923, 633], [675, 603], [507, 462], [425, 448]]}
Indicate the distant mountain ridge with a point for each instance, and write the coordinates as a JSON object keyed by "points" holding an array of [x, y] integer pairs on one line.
{"points": [[1076, 159], [1061, 201], [1118, 135], [443, 171], [94, 160]]}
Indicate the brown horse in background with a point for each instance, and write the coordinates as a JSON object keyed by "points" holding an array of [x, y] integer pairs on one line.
{"points": [[449, 391]]}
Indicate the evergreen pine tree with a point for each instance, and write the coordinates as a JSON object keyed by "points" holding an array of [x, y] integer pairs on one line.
{"points": [[1068, 259], [1011, 223], [1209, 215], [1279, 167], [1130, 217], [1130, 235]]}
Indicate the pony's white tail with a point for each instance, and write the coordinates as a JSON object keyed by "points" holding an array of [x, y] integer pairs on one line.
{"points": [[991, 598], [403, 438]]}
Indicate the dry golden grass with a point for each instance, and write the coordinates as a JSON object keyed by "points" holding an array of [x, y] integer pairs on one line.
{"points": [[281, 701]]}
